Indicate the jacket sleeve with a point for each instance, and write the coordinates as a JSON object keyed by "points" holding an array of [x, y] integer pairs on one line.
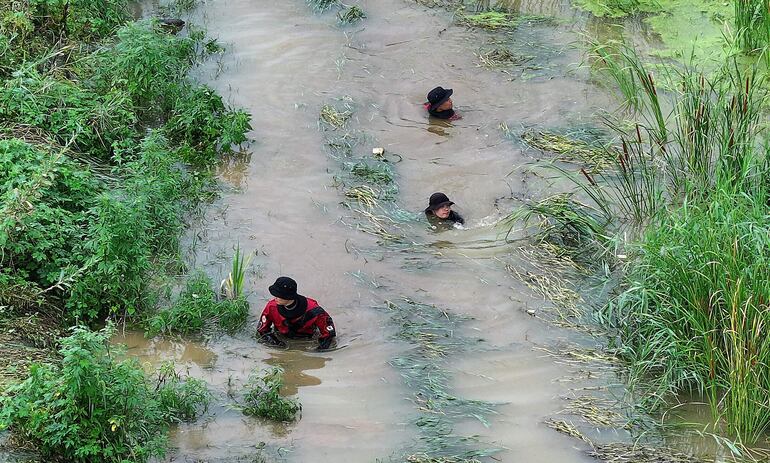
{"points": [[265, 320], [326, 329]]}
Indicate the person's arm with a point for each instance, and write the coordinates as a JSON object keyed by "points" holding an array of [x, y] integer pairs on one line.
{"points": [[264, 329], [325, 326], [455, 217]]}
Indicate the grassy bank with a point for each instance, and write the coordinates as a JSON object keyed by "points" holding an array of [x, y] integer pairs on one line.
{"points": [[106, 146], [682, 216]]}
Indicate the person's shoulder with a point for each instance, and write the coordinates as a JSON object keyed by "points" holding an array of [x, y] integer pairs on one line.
{"points": [[455, 217], [311, 303]]}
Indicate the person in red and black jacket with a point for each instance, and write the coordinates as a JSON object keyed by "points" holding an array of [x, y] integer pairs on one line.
{"points": [[293, 316]]}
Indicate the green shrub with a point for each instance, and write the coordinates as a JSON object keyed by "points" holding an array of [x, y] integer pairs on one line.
{"points": [[119, 251], [263, 398], [93, 407], [694, 316], [98, 124], [145, 63], [201, 121], [196, 307], [44, 198]]}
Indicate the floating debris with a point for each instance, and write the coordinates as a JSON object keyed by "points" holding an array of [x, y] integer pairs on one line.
{"points": [[568, 149], [632, 453], [501, 57], [351, 15], [334, 117], [567, 428], [490, 20]]}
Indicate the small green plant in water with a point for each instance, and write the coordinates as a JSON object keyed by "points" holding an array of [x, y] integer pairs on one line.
{"points": [[351, 15], [263, 397], [196, 308], [232, 286], [618, 8]]}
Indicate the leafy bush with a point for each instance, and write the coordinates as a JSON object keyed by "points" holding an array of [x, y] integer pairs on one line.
{"points": [[146, 64], [93, 407], [201, 122], [44, 199], [196, 306], [119, 251], [263, 397], [96, 123], [30, 29]]}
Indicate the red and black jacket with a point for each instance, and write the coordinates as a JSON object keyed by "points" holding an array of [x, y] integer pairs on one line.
{"points": [[303, 325]]}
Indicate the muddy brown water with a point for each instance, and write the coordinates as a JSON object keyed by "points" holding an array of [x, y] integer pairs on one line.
{"points": [[284, 63]]}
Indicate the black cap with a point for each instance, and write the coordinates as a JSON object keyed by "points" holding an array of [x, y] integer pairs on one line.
{"points": [[436, 201], [438, 96], [284, 288]]}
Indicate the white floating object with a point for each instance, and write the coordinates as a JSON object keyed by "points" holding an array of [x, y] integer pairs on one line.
{"points": [[530, 312], [378, 151]]}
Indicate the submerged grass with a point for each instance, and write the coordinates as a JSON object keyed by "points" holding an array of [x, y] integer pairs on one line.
{"points": [[502, 57], [434, 334], [373, 188], [568, 149], [263, 398], [490, 20]]}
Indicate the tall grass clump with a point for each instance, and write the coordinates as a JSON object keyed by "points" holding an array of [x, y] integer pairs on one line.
{"points": [[752, 24], [263, 397], [686, 205], [93, 407], [694, 304]]}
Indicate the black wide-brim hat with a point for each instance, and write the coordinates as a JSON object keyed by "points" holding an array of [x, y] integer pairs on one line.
{"points": [[437, 201], [438, 96], [284, 288]]}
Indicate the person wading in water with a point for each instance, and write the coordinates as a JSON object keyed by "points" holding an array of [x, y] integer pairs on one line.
{"points": [[440, 210], [440, 104], [293, 316]]}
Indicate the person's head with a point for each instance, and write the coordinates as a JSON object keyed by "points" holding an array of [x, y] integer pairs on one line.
{"points": [[439, 99], [284, 290], [439, 205]]}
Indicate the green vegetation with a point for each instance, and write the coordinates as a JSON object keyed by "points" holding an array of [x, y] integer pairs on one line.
{"points": [[196, 308], [752, 24], [686, 205], [618, 8], [592, 155], [232, 286], [351, 15], [92, 407], [106, 148], [490, 20], [434, 334], [263, 398]]}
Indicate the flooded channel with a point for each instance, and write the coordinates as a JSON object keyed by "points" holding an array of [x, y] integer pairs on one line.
{"points": [[283, 64]]}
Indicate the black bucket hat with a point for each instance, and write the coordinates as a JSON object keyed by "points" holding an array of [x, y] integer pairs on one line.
{"points": [[436, 201], [284, 288], [438, 96]]}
